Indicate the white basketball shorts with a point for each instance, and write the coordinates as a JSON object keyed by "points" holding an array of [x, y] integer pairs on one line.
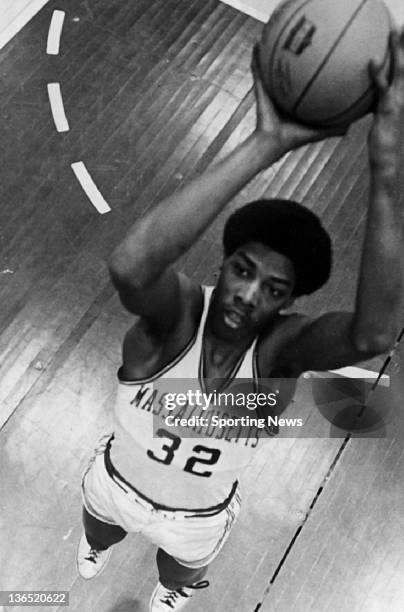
{"points": [[193, 539]]}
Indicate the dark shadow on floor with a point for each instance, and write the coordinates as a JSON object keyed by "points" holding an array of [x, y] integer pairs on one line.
{"points": [[127, 605]]}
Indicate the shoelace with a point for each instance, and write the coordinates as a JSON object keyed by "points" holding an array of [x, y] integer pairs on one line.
{"points": [[171, 596], [92, 555]]}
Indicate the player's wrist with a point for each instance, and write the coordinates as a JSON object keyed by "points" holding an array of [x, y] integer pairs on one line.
{"points": [[268, 147]]}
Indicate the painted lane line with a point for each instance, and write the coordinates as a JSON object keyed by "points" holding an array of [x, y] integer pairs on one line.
{"points": [[15, 15], [54, 32], [361, 373], [57, 108], [352, 372], [259, 9], [90, 188]]}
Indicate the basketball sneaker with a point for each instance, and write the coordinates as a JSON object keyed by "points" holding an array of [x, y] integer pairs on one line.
{"points": [[167, 600], [90, 561]]}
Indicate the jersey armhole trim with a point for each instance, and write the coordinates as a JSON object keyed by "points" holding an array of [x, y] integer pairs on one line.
{"points": [[164, 369]]}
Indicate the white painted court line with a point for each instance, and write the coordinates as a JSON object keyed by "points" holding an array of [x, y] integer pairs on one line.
{"points": [[361, 373], [259, 9], [55, 32], [90, 188], [15, 14], [57, 108], [351, 372]]}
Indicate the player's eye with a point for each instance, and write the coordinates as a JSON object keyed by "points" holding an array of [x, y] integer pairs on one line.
{"points": [[240, 269], [274, 291]]}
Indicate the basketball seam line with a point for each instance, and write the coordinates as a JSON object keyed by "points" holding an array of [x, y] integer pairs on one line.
{"points": [[358, 100], [275, 46], [327, 57], [351, 106]]}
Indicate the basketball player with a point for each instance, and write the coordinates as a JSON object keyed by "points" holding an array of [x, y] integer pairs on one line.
{"points": [[181, 492]]}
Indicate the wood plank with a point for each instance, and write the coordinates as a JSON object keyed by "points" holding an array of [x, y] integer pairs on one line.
{"points": [[155, 91], [349, 554]]}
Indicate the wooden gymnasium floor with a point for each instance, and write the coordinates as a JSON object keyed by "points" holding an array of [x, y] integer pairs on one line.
{"points": [[154, 91]]}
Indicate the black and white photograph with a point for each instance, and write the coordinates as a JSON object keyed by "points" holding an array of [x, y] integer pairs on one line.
{"points": [[202, 305]]}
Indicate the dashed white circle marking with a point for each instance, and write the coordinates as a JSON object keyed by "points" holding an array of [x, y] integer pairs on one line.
{"points": [[57, 108], [54, 32], [59, 116], [93, 193]]}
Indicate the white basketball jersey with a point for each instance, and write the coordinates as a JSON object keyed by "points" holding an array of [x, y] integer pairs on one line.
{"points": [[170, 469]]}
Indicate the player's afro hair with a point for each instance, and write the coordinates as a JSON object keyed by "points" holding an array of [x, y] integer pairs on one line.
{"points": [[289, 228]]}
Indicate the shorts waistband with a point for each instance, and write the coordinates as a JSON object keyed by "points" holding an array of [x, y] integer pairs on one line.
{"points": [[116, 476]]}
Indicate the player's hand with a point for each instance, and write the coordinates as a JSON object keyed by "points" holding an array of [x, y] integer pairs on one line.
{"points": [[387, 130], [277, 127]]}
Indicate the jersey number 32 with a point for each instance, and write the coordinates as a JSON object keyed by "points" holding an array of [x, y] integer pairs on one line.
{"points": [[203, 454]]}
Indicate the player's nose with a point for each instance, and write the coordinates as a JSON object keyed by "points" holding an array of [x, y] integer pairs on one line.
{"points": [[248, 295]]}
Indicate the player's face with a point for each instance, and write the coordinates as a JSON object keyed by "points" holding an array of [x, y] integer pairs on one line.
{"points": [[255, 284]]}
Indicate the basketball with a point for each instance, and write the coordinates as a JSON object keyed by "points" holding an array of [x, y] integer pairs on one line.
{"points": [[315, 55]]}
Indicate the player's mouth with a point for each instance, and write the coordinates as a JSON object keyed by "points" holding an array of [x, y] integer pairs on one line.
{"points": [[234, 319]]}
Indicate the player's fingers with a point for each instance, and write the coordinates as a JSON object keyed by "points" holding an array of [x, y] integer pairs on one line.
{"points": [[378, 75], [254, 61], [395, 75], [398, 57], [394, 54], [254, 57], [397, 54], [256, 68]]}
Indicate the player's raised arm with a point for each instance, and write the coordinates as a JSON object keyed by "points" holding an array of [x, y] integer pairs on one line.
{"points": [[338, 339], [381, 277], [141, 264]]}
